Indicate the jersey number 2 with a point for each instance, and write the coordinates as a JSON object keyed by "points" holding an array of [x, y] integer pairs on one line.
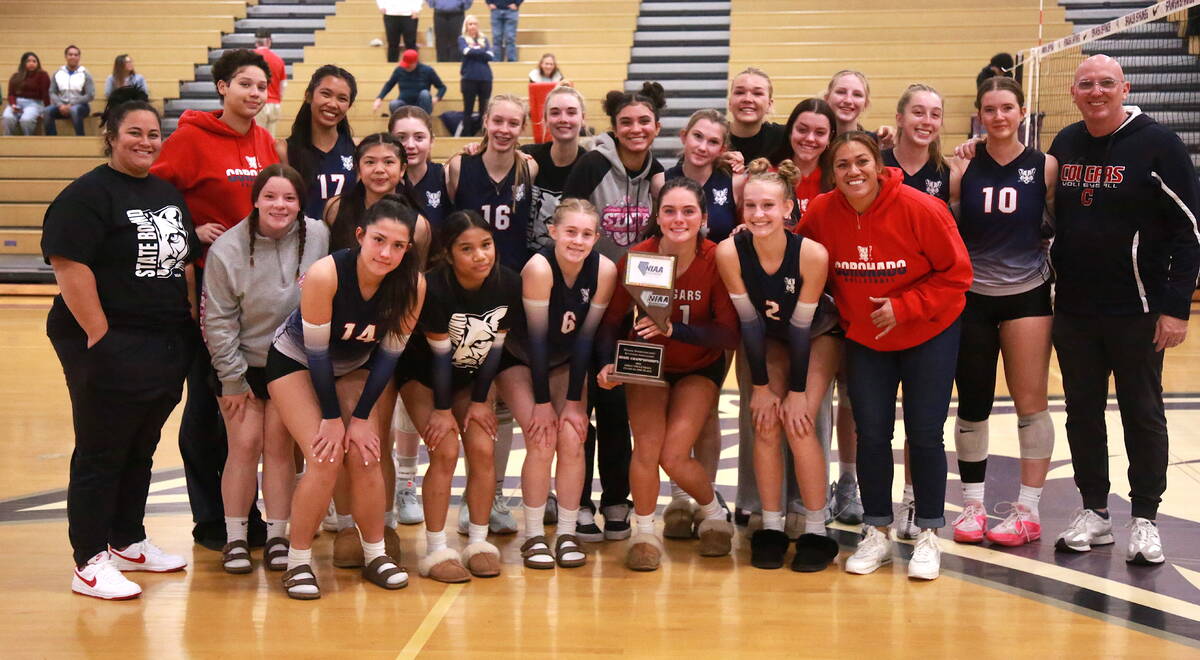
{"points": [[1006, 200], [501, 213]]}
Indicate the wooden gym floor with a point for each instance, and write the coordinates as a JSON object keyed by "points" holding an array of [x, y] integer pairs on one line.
{"points": [[989, 602]]}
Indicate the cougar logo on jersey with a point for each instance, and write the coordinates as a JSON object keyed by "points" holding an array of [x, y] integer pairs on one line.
{"points": [[162, 242], [519, 193], [1026, 176], [347, 163], [789, 284], [864, 253], [933, 187], [720, 196], [585, 294], [433, 198], [472, 336]]}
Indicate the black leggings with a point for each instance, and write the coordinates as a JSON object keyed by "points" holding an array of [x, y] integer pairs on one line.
{"points": [[471, 90]]}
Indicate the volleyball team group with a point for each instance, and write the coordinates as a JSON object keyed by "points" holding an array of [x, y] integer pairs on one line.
{"points": [[343, 300]]}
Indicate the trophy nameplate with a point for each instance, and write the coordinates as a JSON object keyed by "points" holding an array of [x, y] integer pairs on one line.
{"points": [[650, 280]]}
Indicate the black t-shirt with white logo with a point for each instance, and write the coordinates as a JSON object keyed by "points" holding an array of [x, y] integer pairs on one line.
{"points": [[471, 318], [136, 235]]}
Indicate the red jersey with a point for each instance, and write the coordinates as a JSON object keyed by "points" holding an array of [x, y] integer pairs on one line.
{"points": [[806, 189], [701, 302], [278, 74], [906, 248]]}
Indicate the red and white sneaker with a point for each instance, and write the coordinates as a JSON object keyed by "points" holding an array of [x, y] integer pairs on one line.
{"points": [[1019, 528], [147, 557], [971, 524], [100, 579]]}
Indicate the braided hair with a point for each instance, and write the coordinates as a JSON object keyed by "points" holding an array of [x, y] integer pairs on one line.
{"points": [[293, 177]]}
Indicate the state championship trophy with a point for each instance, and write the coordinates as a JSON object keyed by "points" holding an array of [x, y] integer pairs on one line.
{"points": [[650, 280]]}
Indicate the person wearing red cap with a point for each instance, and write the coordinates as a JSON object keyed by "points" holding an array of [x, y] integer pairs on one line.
{"points": [[414, 80]]}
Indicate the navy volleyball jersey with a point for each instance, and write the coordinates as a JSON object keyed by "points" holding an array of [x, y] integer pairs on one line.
{"points": [[927, 179], [334, 175], [568, 308], [353, 329], [1000, 219], [430, 193], [718, 194], [506, 209], [774, 295]]}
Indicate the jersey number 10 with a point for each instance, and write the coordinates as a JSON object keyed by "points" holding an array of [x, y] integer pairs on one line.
{"points": [[1006, 200]]}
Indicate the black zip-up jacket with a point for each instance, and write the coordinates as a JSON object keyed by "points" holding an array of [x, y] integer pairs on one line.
{"points": [[1126, 240]]}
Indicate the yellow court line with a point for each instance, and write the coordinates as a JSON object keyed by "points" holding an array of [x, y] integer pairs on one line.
{"points": [[430, 623]]}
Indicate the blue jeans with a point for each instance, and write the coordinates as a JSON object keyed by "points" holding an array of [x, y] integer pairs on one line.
{"points": [[504, 32], [78, 112], [926, 372], [26, 116], [424, 100]]}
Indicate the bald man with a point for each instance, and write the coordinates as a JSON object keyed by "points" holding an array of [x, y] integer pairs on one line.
{"points": [[1126, 253]]}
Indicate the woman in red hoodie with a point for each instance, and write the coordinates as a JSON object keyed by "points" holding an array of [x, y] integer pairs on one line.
{"points": [[213, 159], [899, 272]]}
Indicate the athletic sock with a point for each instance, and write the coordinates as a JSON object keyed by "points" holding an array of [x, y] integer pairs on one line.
{"points": [[848, 470], [567, 518], [1029, 498], [814, 521], [406, 469], [713, 510], [276, 529], [908, 498], [236, 529], [973, 492], [434, 541], [534, 523], [1102, 514], [297, 557], [477, 533], [774, 520], [644, 524], [677, 493], [373, 550], [345, 521], [389, 519]]}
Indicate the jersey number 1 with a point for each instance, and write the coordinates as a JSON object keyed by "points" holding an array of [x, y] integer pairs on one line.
{"points": [[501, 212]]}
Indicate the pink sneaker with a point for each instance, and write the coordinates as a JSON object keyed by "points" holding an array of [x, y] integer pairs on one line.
{"points": [[1019, 528], [970, 525]]}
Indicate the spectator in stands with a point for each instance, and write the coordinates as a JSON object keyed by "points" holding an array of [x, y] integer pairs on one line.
{"points": [[504, 28], [399, 20], [546, 71], [1001, 64], [213, 158], [71, 92], [447, 23], [475, 73], [414, 79], [269, 116], [123, 75], [28, 95]]}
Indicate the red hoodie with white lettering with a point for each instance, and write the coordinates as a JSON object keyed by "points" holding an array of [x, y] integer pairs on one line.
{"points": [[906, 248], [214, 166]]}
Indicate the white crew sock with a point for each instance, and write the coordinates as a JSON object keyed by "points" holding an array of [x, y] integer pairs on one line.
{"points": [[236, 529], [677, 493], [848, 470], [276, 529], [434, 541], [973, 492], [300, 558], [773, 520], [814, 521], [534, 525], [476, 533], [713, 510], [373, 550], [1029, 497], [567, 518], [389, 519], [644, 524], [344, 521]]}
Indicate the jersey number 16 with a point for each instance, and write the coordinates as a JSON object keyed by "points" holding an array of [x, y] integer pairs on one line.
{"points": [[500, 213]]}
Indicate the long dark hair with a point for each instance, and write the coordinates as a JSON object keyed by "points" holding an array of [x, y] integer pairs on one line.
{"points": [[784, 150], [118, 74], [298, 153], [397, 292], [353, 203], [453, 226], [22, 75], [123, 101], [293, 177], [652, 228]]}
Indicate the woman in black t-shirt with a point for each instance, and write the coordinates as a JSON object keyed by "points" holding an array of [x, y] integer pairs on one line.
{"points": [[564, 115], [121, 243], [445, 383]]}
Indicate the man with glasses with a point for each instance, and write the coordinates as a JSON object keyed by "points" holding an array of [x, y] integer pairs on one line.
{"points": [[1126, 253]]}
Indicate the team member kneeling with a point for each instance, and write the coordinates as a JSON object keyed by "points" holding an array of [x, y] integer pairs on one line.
{"points": [[703, 325], [357, 308]]}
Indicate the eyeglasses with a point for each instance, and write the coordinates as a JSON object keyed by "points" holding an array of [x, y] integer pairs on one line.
{"points": [[1108, 84]]}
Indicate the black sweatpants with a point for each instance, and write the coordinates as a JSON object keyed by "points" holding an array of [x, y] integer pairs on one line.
{"points": [[472, 90], [608, 443], [1089, 349], [122, 391], [447, 25], [397, 27]]}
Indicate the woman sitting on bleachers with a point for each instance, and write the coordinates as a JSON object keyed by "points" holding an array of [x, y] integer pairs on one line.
{"points": [[123, 75], [28, 94]]}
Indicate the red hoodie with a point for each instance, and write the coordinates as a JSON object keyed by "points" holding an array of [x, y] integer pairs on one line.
{"points": [[214, 166], [905, 247]]}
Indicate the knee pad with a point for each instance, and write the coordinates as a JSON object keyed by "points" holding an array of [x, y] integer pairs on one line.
{"points": [[1036, 435], [401, 421], [971, 440]]}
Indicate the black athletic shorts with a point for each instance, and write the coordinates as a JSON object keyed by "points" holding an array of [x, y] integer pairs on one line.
{"points": [[418, 365], [256, 377], [280, 365], [714, 371], [993, 310]]}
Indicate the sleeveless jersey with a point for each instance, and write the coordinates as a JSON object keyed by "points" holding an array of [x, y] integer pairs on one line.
{"points": [[502, 207], [1000, 219], [334, 175], [718, 194], [774, 295], [927, 179], [568, 308], [431, 193], [353, 329]]}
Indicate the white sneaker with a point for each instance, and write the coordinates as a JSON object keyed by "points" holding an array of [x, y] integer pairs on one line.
{"points": [[906, 522], [1145, 546], [1087, 528], [147, 557], [408, 505], [329, 523], [874, 550], [100, 579], [926, 559]]}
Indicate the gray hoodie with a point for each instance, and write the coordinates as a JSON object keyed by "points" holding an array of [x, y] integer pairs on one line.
{"points": [[623, 200], [243, 304], [72, 87]]}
